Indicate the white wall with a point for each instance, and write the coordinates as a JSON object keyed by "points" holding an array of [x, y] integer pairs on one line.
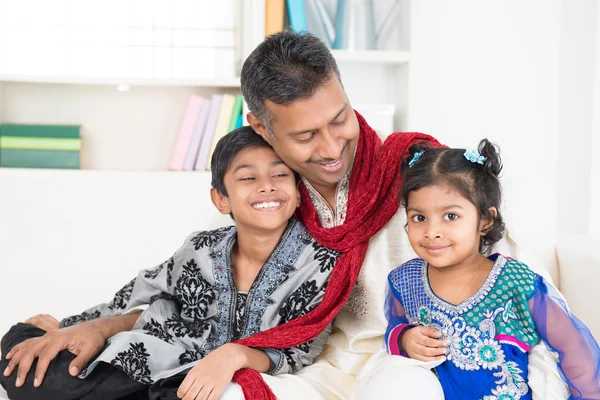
{"points": [[595, 175], [490, 69], [577, 70]]}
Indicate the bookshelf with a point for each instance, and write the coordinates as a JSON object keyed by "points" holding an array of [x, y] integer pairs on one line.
{"points": [[130, 124]]}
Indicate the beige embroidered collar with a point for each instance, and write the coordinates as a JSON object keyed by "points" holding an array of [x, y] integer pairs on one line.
{"points": [[331, 218]]}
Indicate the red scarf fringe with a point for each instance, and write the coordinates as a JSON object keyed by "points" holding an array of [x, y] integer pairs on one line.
{"points": [[372, 201]]}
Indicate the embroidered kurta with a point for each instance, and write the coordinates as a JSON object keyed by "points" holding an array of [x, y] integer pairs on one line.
{"points": [[194, 306], [491, 333]]}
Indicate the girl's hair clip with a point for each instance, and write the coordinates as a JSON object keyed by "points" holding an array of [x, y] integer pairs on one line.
{"points": [[474, 156], [415, 158]]}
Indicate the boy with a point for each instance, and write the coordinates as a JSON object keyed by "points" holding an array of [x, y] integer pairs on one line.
{"points": [[219, 287]]}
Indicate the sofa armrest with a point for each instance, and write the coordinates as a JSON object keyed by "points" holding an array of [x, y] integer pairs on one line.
{"points": [[579, 270]]}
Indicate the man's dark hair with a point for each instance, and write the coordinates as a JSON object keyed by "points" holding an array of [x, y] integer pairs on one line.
{"points": [[478, 183], [284, 68], [228, 147]]}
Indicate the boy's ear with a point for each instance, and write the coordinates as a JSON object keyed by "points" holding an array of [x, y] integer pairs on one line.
{"points": [[220, 201], [487, 223], [259, 127], [299, 198]]}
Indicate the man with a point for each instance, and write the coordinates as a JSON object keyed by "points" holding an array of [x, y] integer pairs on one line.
{"points": [[297, 103]]}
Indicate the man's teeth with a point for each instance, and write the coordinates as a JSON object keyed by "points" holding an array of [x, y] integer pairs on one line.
{"points": [[267, 204]]}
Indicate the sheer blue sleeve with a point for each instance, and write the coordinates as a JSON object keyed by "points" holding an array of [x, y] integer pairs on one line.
{"points": [[396, 317], [578, 351]]}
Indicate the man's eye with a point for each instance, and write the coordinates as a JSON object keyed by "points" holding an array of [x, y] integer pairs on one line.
{"points": [[305, 137], [450, 217], [418, 218], [339, 123]]}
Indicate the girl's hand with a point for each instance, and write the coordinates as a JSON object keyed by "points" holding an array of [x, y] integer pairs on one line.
{"points": [[208, 379], [44, 321], [423, 343]]}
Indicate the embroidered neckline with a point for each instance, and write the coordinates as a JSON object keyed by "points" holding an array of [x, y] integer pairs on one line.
{"points": [[331, 218], [471, 301]]}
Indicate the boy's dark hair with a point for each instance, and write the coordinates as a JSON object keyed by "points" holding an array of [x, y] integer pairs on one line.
{"points": [[228, 147], [284, 68], [477, 183]]}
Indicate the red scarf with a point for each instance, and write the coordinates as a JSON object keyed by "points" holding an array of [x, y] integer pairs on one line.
{"points": [[372, 201]]}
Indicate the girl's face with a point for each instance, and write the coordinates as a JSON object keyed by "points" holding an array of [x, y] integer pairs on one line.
{"points": [[443, 227]]}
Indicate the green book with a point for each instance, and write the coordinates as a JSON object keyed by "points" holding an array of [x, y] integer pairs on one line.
{"points": [[43, 131], [34, 143], [237, 110], [39, 159]]}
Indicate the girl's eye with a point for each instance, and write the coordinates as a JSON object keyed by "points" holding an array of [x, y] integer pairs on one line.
{"points": [[281, 175], [248, 179], [418, 218], [450, 217]]}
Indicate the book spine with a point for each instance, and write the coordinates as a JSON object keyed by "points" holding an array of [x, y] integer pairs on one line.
{"points": [[29, 143], [40, 131], [39, 159], [237, 110], [184, 137], [215, 106], [297, 14]]}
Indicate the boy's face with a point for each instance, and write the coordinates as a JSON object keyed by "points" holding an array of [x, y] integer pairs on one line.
{"points": [[261, 190]]}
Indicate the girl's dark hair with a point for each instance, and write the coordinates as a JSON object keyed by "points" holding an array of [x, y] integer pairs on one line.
{"points": [[477, 183]]}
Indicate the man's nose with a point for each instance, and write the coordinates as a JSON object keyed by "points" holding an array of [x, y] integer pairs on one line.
{"points": [[331, 149]]}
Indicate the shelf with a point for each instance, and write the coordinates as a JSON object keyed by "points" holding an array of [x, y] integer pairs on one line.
{"points": [[372, 57], [36, 172], [72, 80]]}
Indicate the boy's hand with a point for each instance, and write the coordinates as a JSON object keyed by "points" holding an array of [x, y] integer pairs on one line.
{"points": [[85, 340], [423, 343], [208, 379], [44, 321]]}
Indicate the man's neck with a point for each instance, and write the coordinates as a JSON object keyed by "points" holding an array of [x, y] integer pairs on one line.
{"points": [[328, 192]]}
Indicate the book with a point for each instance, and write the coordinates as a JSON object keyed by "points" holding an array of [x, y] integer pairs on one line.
{"points": [[188, 123], [237, 111], [240, 122], [40, 131], [39, 159], [209, 131], [36, 143], [227, 104], [192, 154], [297, 14], [274, 16]]}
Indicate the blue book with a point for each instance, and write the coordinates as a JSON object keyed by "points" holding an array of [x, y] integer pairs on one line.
{"points": [[297, 14], [240, 122]]}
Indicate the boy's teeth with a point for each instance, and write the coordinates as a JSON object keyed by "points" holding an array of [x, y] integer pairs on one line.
{"points": [[267, 205]]}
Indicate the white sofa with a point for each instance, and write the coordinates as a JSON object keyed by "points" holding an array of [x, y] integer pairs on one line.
{"points": [[70, 239]]}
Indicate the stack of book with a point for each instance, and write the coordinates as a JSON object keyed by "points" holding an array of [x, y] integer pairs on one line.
{"points": [[39, 146], [204, 122]]}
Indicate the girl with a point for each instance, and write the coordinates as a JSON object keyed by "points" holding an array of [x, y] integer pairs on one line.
{"points": [[479, 315]]}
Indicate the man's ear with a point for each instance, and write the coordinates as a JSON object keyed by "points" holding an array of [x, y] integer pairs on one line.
{"points": [[259, 127], [220, 201], [487, 223]]}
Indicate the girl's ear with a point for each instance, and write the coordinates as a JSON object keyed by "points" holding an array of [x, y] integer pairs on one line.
{"points": [[486, 222], [220, 201]]}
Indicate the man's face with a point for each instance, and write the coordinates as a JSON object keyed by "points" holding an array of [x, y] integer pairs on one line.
{"points": [[261, 190], [316, 137]]}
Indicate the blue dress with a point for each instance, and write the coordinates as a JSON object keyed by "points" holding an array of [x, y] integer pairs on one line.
{"points": [[491, 333]]}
